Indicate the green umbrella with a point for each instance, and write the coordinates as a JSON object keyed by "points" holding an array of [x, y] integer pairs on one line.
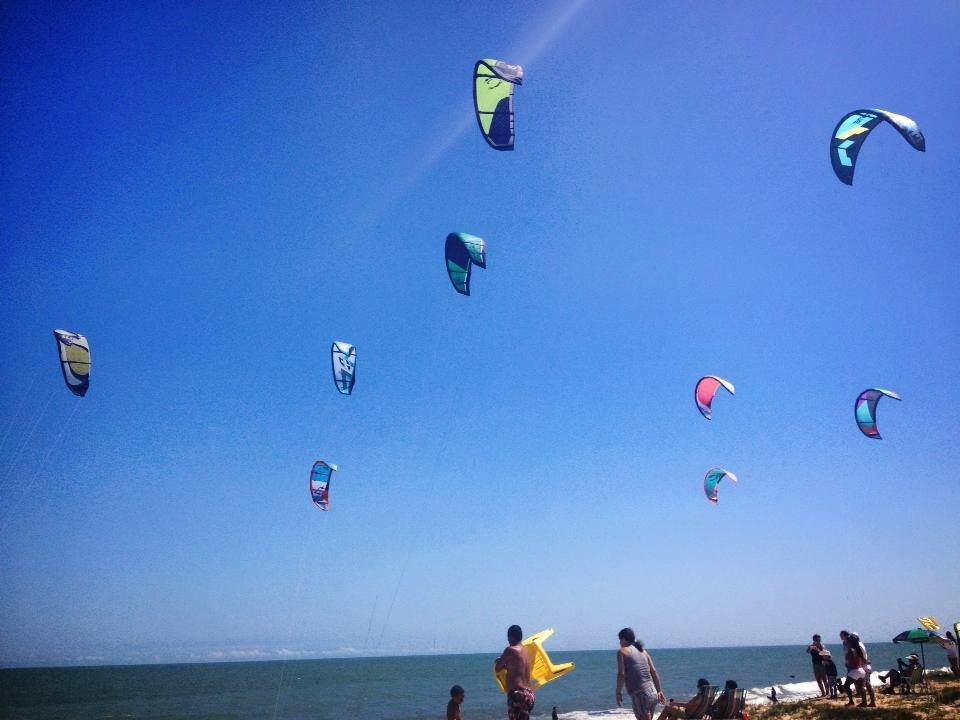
{"points": [[917, 636]]}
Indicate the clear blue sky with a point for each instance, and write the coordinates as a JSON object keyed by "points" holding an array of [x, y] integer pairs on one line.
{"points": [[213, 194]]}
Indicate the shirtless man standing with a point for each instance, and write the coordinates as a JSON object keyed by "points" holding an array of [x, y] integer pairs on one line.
{"points": [[516, 662]]}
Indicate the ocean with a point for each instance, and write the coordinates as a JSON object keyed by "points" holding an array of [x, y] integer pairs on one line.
{"points": [[390, 688]]}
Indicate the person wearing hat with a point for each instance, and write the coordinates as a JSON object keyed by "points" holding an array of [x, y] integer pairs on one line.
{"points": [[904, 669], [830, 670], [814, 649]]}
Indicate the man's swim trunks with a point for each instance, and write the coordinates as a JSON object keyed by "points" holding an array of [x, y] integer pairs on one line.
{"points": [[519, 704]]}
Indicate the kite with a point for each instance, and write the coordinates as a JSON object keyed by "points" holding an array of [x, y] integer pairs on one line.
{"points": [[74, 360], [343, 358], [320, 483], [705, 390], [493, 82], [852, 130], [712, 479], [865, 410], [542, 668], [461, 251]]}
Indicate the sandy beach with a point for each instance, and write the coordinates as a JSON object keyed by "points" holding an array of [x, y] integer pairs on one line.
{"points": [[942, 701]]}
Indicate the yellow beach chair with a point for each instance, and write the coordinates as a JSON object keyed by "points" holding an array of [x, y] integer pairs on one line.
{"points": [[542, 668]]}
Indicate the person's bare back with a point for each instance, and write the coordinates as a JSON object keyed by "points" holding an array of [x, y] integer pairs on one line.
{"points": [[517, 662]]}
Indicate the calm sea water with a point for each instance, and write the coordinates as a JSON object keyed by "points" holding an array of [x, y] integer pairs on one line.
{"points": [[401, 688]]}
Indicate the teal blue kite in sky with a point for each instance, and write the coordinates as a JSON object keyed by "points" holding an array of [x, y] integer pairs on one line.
{"points": [[852, 130], [712, 479], [461, 252]]}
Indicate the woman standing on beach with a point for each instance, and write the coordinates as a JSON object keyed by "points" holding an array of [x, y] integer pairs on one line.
{"points": [[635, 668], [867, 668], [854, 662]]}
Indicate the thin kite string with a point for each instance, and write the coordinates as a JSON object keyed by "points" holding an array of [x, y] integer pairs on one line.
{"points": [[16, 413], [366, 640], [29, 486], [451, 401], [32, 427], [293, 620]]}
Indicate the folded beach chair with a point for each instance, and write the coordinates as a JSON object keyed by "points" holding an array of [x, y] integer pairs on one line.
{"points": [[914, 680]]}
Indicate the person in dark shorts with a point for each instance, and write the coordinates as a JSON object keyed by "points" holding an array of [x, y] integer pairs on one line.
{"points": [[514, 659], [830, 670], [814, 649], [453, 707]]}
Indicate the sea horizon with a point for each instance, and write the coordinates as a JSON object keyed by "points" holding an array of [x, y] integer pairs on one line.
{"points": [[392, 688], [367, 655]]}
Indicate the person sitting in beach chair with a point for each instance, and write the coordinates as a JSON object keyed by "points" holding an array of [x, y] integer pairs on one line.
{"points": [[695, 707], [899, 677], [911, 681], [729, 703]]}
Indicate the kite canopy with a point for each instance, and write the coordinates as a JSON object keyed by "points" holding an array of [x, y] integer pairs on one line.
{"points": [[865, 410], [320, 483], [493, 83], [706, 389], [461, 251], [343, 357], [852, 131], [712, 479], [74, 360]]}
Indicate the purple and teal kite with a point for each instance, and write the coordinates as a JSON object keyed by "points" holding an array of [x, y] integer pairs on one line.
{"points": [[865, 410]]}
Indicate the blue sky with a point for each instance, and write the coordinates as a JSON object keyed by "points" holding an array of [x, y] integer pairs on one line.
{"points": [[213, 194]]}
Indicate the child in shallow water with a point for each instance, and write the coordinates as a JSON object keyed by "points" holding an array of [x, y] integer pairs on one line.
{"points": [[453, 707]]}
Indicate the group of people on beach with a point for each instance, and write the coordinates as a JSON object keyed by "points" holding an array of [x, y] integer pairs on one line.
{"points": [[858, 669], [636, 673], [857, 663]]}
